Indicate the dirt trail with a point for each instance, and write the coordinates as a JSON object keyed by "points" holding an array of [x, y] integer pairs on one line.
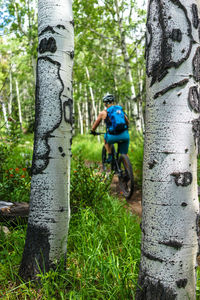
{"points": [[134, 204]]}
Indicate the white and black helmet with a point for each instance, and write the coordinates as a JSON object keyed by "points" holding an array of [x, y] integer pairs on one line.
{"points": [[109, 98]]}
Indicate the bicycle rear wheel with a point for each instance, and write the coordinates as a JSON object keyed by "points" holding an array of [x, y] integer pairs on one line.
{"points": [[126, 179], [107, 167]]}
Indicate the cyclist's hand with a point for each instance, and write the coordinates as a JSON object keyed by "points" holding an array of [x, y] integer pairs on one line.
{"points": [[92, 132]]}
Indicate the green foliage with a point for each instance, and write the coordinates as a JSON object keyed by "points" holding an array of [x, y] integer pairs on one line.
{"points": [[15, 164], [16, 185], [136, 154], [198, 284], [103, 252], [11, 247], [88, 146], [89, 184]]}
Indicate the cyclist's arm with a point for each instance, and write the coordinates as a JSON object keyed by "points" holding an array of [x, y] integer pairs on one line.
{"points": [[127, 120], [98, 120]]}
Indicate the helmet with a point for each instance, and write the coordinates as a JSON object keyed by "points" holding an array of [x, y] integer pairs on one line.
{"points": [[108, 98]]}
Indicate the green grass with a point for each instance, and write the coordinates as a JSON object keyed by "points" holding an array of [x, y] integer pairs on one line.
{"points": [[102, 261], [88, 146]]}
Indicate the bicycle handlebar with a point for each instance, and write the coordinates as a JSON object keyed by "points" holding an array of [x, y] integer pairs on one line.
{"points": [[97, 133]]}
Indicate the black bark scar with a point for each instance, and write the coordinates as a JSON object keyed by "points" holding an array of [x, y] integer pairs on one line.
{"points": [[149, 288], [152, 257], [172, 243], [166, 41], [47, 45], [48, 114], [50, 29], [195, 16], [36, 252], [172, 86], [176, 35], [152, 164], [194, 98], [47, 29], [72, 22], [196, 65], [61, 26], [181, 283], [69, 104], [182, 179], [196, 131]]}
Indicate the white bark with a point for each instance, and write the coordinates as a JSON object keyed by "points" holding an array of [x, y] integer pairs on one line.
{"points": [[19, 104], [91, 94], [80, 118], [11, 94], [170, 200], [4, 114], [49, 209], [86, 116]]}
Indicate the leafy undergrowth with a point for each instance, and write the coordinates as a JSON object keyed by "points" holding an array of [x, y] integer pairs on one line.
{"points": [[102, 259]]}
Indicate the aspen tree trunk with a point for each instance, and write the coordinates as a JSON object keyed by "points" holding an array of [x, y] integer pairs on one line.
{"points": [[46, 238], [139, 101], [170, 201], [4, 114], [93, 102], [74, 123], [80, 118], [19, 105], [129, 109], [86, 116], [92, 94], [11, 94]]}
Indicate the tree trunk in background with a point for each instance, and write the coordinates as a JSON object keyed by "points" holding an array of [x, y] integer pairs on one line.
{"points": [[46, 238], [4, 114], [129, 77], [11, 94], [139, 101], [86, 116], [80, 118], [19, 105], [170, 201], [74, 122], [91, 94]]}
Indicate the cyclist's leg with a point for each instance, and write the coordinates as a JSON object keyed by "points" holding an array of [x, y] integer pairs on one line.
{"points": [[108, 147], [124, 142]]}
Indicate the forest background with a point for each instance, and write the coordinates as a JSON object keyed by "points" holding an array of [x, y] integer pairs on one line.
{"points": [[109, 57]]}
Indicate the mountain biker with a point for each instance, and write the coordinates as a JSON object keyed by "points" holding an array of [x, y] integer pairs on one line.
{"points": [[111, 138]]}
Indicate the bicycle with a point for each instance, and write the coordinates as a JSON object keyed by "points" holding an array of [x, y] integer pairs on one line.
{"points": [[122, 167]]}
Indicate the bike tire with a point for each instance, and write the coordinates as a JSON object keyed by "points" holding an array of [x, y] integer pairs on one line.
{"points": [[126, 179], [104, 155]]}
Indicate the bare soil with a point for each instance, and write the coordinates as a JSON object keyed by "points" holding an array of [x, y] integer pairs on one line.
{"points": [[133, 204]]}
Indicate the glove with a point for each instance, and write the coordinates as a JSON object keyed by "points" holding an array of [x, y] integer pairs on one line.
{"points": [[92, 132]]}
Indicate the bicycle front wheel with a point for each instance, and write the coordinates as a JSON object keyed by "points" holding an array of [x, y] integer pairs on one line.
{"points": [[126, 179]]}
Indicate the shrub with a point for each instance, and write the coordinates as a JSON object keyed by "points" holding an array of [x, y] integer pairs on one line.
{"points": [[15, 164], [88, 184], [15, 186]]}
